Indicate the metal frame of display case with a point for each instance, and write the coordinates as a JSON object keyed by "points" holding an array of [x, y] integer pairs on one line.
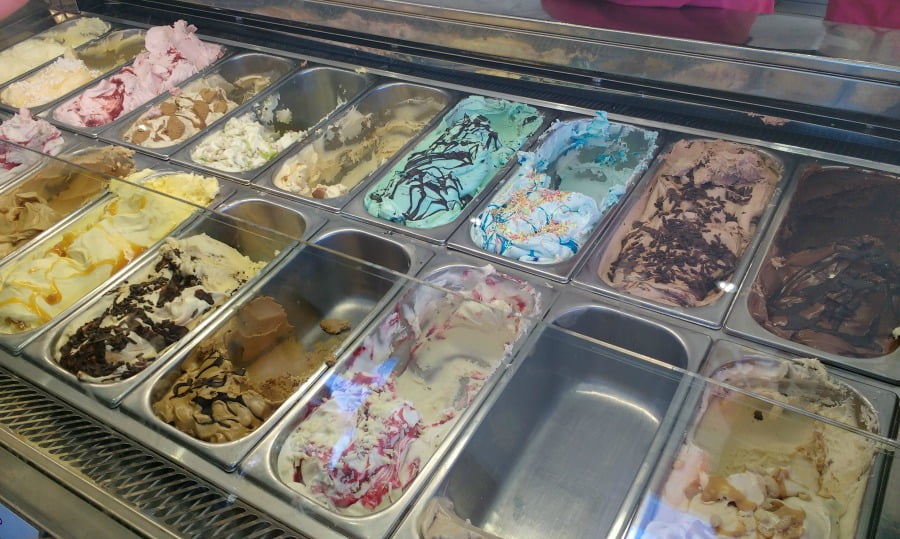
{"points": [[153, 487]]}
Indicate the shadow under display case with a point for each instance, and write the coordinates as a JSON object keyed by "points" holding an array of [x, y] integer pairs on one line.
{"points": [[394, 269]]}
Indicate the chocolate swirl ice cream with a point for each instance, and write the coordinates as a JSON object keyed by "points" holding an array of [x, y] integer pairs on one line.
{"points": [[681, 242], [831, 280]]}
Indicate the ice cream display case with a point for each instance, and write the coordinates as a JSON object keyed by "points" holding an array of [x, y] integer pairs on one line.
{"points": [[432, 270]]}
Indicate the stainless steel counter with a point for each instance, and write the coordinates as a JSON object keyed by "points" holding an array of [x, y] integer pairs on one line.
{"points": [[593, 399]]}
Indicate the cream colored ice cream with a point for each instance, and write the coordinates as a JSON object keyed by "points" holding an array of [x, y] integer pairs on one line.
{"points": [[57, 79], [194, 188], [352, 148], [48, 45], [45, 282], [241, 374], [751, 469], [73, 34], [132, 326], [57, 190], [74, 69]]}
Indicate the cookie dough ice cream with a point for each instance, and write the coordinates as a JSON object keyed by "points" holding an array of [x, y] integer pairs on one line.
{"points": [[752, 469]]}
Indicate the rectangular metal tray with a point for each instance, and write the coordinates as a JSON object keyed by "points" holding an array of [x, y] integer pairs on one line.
{"points": [[79, 52], [312, 95], [711, 315], [223, 228], [230, 69], [35, 174], [16, 342], [741, 322], [53, 28], [261, 464], [71, 142], [311, 284], [725, 352], [595, 419], [94, 131], [439, 234], [380, 102], [560, 271]]}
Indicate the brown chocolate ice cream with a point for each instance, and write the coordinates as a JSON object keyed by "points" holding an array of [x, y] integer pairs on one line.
{"points": [[831, 279], [681, 242]]}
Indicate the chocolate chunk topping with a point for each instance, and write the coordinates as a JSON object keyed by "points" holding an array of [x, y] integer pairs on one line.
{"points": [[88, 350]]}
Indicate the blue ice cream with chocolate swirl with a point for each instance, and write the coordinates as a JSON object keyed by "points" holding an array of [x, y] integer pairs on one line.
{"points": [[434, 183]]}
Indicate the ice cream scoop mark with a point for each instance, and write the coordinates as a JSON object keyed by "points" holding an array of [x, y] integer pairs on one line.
{"points": [[334, 326]]}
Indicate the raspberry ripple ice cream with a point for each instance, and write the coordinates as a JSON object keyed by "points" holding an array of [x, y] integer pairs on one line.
{"points": [[752, 469], [831, 279], [391, 405], [680, 243], [130, 327], [173, 54], [32, 133], [554, 200], [435, 182]]}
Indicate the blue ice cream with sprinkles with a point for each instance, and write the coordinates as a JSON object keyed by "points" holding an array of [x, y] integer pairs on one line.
{"points": [[559, 193]]}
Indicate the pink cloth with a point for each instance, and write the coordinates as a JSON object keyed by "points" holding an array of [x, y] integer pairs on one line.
{"points": [[8, 7], [883, 13], [700, 23], [751, 6]]}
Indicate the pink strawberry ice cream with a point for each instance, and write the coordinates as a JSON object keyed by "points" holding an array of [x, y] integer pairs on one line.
{"points": [[173, 54], [31, 133]]}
